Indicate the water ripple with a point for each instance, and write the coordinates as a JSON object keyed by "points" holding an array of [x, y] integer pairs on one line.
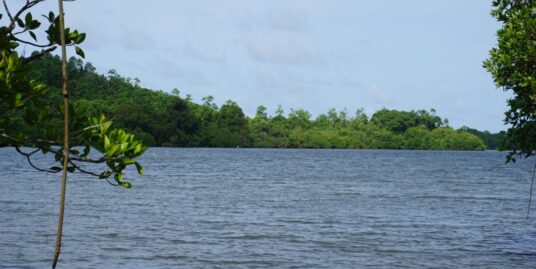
{"points": [[248, 208]]}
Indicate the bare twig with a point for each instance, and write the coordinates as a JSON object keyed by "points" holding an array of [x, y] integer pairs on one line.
{"points": [[90, 127], [111, 183], [82, 159], [20, 32], [82, 170], [4, 135], [73, 157], [7, 11], [66, 147], [91, 173], [31, 43], [29, 158]]}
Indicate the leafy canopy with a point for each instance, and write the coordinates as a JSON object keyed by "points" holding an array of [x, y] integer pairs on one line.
{"points": [[27, 102], [163, 119], [513, 66]]}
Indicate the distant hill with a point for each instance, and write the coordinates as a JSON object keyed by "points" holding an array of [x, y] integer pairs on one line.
{"points": [[167, 119]]}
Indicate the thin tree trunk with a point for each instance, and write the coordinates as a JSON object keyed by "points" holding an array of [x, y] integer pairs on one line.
{"points": [[65, 93]]}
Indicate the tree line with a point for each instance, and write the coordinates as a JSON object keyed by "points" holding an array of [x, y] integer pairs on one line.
{"points": [[168, 119]]}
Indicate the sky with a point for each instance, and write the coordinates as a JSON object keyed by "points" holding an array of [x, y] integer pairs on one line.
{"points": [[315, 55]]}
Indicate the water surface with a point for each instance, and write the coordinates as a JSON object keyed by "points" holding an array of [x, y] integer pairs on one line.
{"points": [[268, 208]]}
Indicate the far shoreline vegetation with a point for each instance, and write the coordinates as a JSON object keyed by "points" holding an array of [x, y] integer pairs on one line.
{"points": [[162, 119]]}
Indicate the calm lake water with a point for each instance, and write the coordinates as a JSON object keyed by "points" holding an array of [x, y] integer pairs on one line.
{"points": [[271, 208]]}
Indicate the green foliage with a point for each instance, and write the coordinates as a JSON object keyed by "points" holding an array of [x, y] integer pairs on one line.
{"points": [[513, 66], [492, 141], [418, 138], [161, 119], [30, 103], [400, 121]]}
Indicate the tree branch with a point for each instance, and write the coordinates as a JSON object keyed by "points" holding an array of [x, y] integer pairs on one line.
{"points": [[73, 157], [91, 173], [4, 135], [31, 43], [20, 32], [81, 159], [82, 170], [28, 5], [90, 127], [7, 11], [71, 161], [28, 157], [39, 55]]}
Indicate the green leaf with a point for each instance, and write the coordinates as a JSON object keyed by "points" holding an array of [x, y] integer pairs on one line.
{"points": [[32, 34], [126, 184], [139, 168], [105, 126], [124, 147], [113, 150], [105, 174], [80, 52], [106, 143], [58, 156], [118, 177], [34, 25], [80, 38], [87, 148], [71, 169], [56, 169], [20, 23], [28, 19], [138, 149], [13, 45], [127, 161]]}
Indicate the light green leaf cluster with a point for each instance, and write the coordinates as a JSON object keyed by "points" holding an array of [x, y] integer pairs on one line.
{"points": [[30, 113], [120, 148]]}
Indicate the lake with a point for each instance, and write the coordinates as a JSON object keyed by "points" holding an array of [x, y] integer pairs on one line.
{"points": [[276, 208]]}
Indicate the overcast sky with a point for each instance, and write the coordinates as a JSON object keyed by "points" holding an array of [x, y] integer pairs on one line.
{"points": [[411, 54]]}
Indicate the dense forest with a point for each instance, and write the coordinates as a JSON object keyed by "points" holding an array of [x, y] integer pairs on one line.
{"points": [[167, 119]]}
